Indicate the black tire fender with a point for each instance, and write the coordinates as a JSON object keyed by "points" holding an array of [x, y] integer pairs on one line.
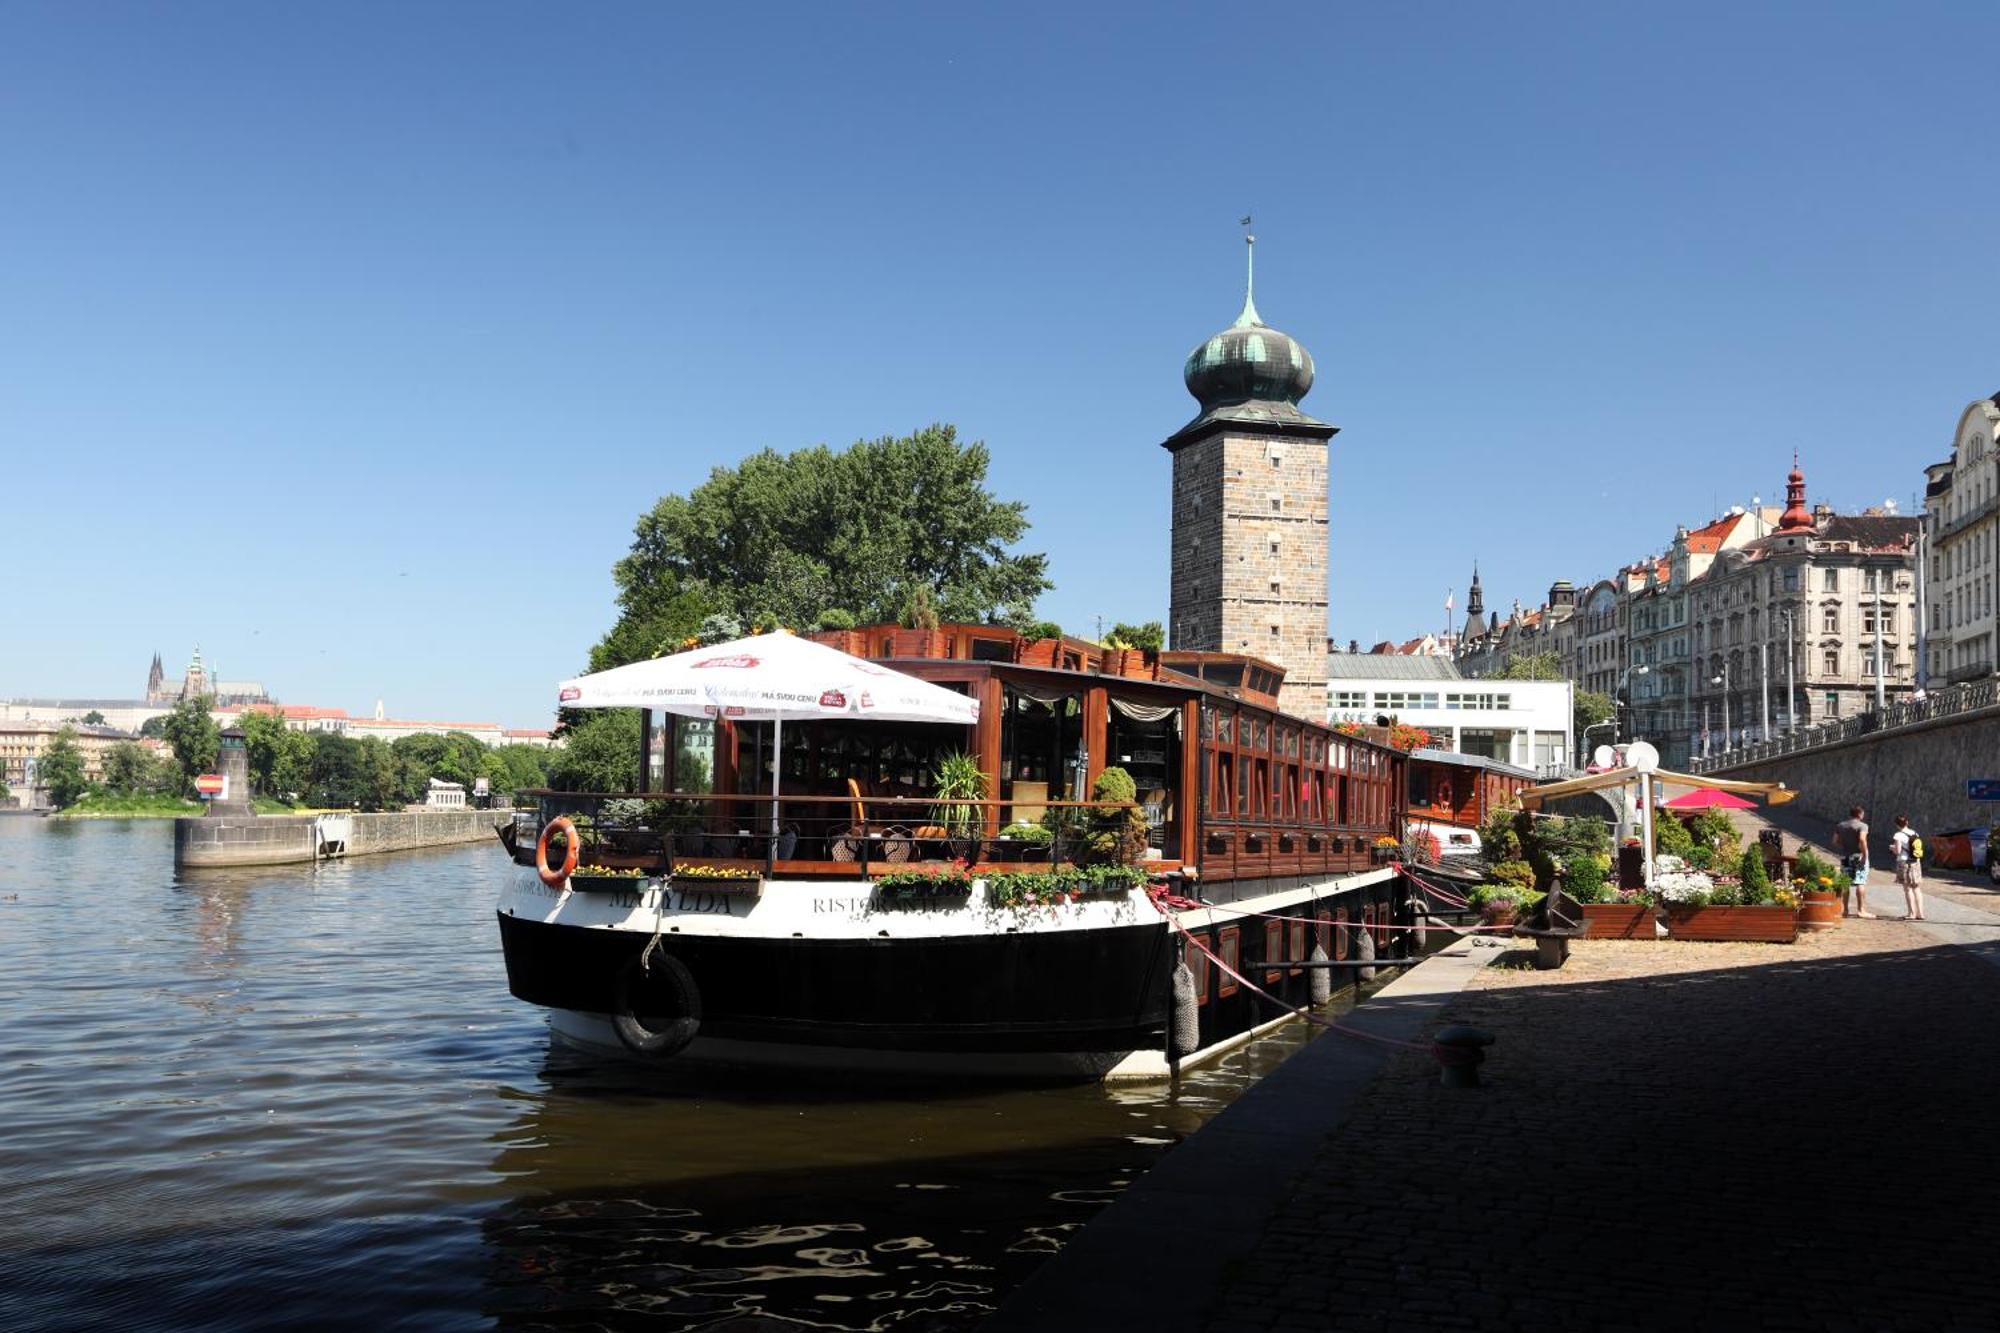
{"points": [[667, 979]]}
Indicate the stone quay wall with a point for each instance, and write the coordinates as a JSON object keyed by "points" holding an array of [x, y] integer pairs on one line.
{"points": [[1917, 770], [286, 839]]}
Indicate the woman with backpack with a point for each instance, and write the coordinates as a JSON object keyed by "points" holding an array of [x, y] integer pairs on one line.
{"points": [[1910, 867]]}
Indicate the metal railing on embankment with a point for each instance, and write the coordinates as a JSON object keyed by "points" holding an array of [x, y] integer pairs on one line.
{"points": [[1971, 697]]}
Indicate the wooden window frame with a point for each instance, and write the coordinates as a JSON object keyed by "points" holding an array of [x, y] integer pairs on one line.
{"points": [[1325, 931], [1229, 948], [1200, 964], [1274, 950], [1298, 949], [1342, 946]]}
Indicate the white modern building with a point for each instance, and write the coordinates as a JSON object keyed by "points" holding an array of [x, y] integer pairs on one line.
{"points": [[1526, 723], [1962, 544]]}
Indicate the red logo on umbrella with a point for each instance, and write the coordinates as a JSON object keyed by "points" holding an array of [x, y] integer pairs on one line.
{"points": [[833, 699], [865, 701], [570, 693], [734, 660]]}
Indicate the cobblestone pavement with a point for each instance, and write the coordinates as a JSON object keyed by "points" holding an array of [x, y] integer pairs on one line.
{"points": [[1671, 1135]]}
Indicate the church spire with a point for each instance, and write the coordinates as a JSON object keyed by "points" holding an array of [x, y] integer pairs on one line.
{"points": [[1249, 319]]}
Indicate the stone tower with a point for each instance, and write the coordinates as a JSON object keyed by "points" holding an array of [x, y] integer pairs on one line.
{"points": [[1475, 608], [1250, 501], [156, 681]]}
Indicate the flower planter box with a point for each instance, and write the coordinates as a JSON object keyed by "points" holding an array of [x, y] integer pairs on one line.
{"points": [[1819, 911], [940, 896], [1619, 921], [1757, 925], [917, 643], [1038, 652]]}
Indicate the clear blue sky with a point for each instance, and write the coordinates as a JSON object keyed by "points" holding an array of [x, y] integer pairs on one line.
{"points": [[349, 340]]}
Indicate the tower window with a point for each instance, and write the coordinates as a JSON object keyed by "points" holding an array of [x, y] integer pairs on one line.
{"points": [[1275, 587], [1277, 503], [1274, 631]]}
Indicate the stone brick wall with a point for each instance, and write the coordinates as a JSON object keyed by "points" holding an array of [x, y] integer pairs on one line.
{"points": [[1249, 556], [1919, 770], [286, 839]]}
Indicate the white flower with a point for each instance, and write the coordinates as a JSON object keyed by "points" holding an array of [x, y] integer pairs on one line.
{"points": [[1682, 886]]}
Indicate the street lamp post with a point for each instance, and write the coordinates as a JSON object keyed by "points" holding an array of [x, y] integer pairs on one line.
{"points": [[1791, 693], [1723, 681], [1624, 687]]}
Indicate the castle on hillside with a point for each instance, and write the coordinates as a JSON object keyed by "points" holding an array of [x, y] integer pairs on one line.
{"points": [[197, 681]]}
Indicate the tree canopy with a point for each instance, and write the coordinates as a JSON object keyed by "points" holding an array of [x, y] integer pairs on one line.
{"points": [[195, 738], [779, 538], [1533, 666], [60, 769]]}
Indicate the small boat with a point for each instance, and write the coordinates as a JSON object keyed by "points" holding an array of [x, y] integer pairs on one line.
{"points": [[807, 890]]}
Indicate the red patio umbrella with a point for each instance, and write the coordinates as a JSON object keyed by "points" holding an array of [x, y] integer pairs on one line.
{"points": [[1708, 798]]}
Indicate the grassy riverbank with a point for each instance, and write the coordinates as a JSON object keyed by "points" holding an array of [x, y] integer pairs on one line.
{"points": [[106, 805]]}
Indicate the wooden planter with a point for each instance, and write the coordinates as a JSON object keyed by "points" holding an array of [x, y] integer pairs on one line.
{"points": [[917, 643], [608, 883], [1502, 913], [1134, 663], [1765, 925], [1619, 921], [1819, 911], [850, 641], [1038, 652]]}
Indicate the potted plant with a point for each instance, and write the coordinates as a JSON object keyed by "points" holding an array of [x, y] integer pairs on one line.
{"points": [[1501, 904], [1385, 849], [918, 634], [1117, 836], [1021, 842], [1822, 889], [836, 630], [1040, 645], [958, 782]]}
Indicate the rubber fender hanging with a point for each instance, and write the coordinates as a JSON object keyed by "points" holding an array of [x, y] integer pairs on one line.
{"points": [[667, 990], [555, 878]]}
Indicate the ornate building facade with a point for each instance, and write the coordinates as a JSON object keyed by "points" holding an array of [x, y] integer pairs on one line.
{"points": [[1249, 555], [1962, 537]]}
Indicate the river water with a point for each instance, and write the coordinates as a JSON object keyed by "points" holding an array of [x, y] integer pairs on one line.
{"points": [[302, 1096]]}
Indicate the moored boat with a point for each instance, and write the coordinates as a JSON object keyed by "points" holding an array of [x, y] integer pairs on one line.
{"points": [[846, 892]]}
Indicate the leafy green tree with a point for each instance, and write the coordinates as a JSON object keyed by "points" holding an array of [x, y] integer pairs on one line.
{"points": [[512, 768], [128, 769], [779, 538], [363, 773], [93, 718], [195, 738], [1591, 709], [1149, 636], [1533, 666], [60, 769], [280, 758], [601, 753], [154, 728]]}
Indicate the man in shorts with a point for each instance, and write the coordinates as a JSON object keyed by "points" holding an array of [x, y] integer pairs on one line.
{"points": [[1909, 867], [1850, 841]]}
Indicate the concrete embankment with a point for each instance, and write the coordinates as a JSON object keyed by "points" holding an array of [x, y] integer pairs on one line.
{"points": [[284, 839]]}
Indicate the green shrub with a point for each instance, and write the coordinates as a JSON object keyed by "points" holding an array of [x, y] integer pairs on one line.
{"points": [[835, 618], [1035, 833], [1516, 874], [1670, 836], [1498, 841], [1701, 857], [1583, 877], [1117, 836], [1043, 629], [1714, 828], [1756, 881]]}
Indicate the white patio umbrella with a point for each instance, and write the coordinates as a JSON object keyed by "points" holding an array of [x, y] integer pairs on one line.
{"points": [[771, 678]]}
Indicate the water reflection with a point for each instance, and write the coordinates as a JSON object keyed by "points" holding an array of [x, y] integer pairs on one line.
{"points": [[318, 1072]]}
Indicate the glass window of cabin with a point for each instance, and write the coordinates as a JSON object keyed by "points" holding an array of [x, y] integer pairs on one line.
{"points": [[992, 650], [1274, 950], [1039, 744], [1340, 947], [1298, 950], [1151, 752], [1222, 791], [1197, 961], [1261, 773]]}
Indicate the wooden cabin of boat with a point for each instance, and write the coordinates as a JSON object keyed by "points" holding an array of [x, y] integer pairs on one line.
{"points": [[1232, 788], [1450, 791]]}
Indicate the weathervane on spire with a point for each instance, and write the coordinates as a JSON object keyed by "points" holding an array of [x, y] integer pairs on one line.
{"points": [[1249, 315]]}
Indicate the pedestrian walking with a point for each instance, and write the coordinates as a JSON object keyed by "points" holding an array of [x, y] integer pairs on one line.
{"points": [[1909, 867], [1850, 842]]}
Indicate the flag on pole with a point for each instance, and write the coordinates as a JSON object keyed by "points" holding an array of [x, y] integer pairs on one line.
{"points": [[1449, 599]]}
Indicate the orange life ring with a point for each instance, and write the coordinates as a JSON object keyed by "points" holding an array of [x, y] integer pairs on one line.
{"points": [[554, 878]]}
